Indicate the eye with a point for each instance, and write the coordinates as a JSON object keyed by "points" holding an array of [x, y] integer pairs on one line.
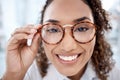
{"points": [[53, 30], [81, 29]]}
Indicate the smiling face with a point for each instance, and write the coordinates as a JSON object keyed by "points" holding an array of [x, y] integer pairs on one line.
{"points": [[69, 56]]}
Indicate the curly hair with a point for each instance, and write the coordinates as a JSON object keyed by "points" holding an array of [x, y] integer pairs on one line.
{"points": [[102, 54]]}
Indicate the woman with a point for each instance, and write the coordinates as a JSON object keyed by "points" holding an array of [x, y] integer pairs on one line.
{"points": [[72, 44]]}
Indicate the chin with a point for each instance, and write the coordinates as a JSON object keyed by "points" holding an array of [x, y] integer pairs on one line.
{"points": [[68, 73]]}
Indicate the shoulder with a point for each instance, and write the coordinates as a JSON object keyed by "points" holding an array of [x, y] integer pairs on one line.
{"points": [[52, 73], [33, 72], [114, 73]]}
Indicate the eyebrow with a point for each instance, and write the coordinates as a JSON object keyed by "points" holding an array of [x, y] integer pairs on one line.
{"points": [[75, 21], [53, 21], [81, 19]]}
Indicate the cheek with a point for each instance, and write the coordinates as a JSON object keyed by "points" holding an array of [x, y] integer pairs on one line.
{"points": [[89, 48], [48, 50]]}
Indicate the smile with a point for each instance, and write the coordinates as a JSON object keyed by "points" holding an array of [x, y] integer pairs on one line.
{"points": [[68, 58]]}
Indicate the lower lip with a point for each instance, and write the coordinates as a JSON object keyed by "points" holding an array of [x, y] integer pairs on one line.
{"points": [[68, 62]]}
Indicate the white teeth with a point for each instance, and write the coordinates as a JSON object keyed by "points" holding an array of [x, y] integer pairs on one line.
{"points": [[68, 58]]}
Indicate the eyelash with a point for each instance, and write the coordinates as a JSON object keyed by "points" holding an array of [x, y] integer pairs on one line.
{"points": [[83, 29], [52, 30]]}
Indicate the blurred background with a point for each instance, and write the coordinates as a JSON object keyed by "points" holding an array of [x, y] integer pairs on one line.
{"points": [[16, 13]]}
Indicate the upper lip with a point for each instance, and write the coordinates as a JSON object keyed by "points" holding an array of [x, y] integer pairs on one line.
{"points": [[68, 54]]}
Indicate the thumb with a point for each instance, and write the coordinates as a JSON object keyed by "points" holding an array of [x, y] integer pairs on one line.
{"points": [[35, 43]]}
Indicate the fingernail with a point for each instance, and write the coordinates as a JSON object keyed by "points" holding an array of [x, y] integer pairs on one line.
{"points": [[29, 41]]}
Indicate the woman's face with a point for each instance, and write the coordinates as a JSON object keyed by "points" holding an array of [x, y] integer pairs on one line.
{"points": [[63, 55]]}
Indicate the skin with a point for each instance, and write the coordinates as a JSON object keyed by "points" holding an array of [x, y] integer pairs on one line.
{"points": [[20, 56], [65, 12]]}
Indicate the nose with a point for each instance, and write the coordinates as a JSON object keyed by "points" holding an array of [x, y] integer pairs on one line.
{"points": [[68, 43]]}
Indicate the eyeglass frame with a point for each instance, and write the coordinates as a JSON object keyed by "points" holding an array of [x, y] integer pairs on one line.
{"points": [[63, 29]]}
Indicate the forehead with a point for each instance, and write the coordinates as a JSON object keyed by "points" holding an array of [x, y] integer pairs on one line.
{"points": [[67, 10]]}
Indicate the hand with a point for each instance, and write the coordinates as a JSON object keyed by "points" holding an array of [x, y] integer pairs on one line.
{"points": [[19, 55]]}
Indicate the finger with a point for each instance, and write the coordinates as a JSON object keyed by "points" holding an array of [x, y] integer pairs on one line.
{"points": [[17, 39], [37, 26], [35, 42], [26, 29], [29, 41]]}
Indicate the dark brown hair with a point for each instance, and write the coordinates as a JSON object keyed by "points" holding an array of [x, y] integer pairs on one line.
{"points": [[102, 54]]}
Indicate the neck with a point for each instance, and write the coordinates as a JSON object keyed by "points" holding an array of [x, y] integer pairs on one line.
{"points": [[79, 75]]}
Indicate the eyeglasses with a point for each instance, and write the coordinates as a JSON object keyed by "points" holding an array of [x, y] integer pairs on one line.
{"points": [[82, 32]]}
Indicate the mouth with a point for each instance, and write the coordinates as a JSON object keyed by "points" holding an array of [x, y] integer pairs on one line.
{"points": [[69, 58]]}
